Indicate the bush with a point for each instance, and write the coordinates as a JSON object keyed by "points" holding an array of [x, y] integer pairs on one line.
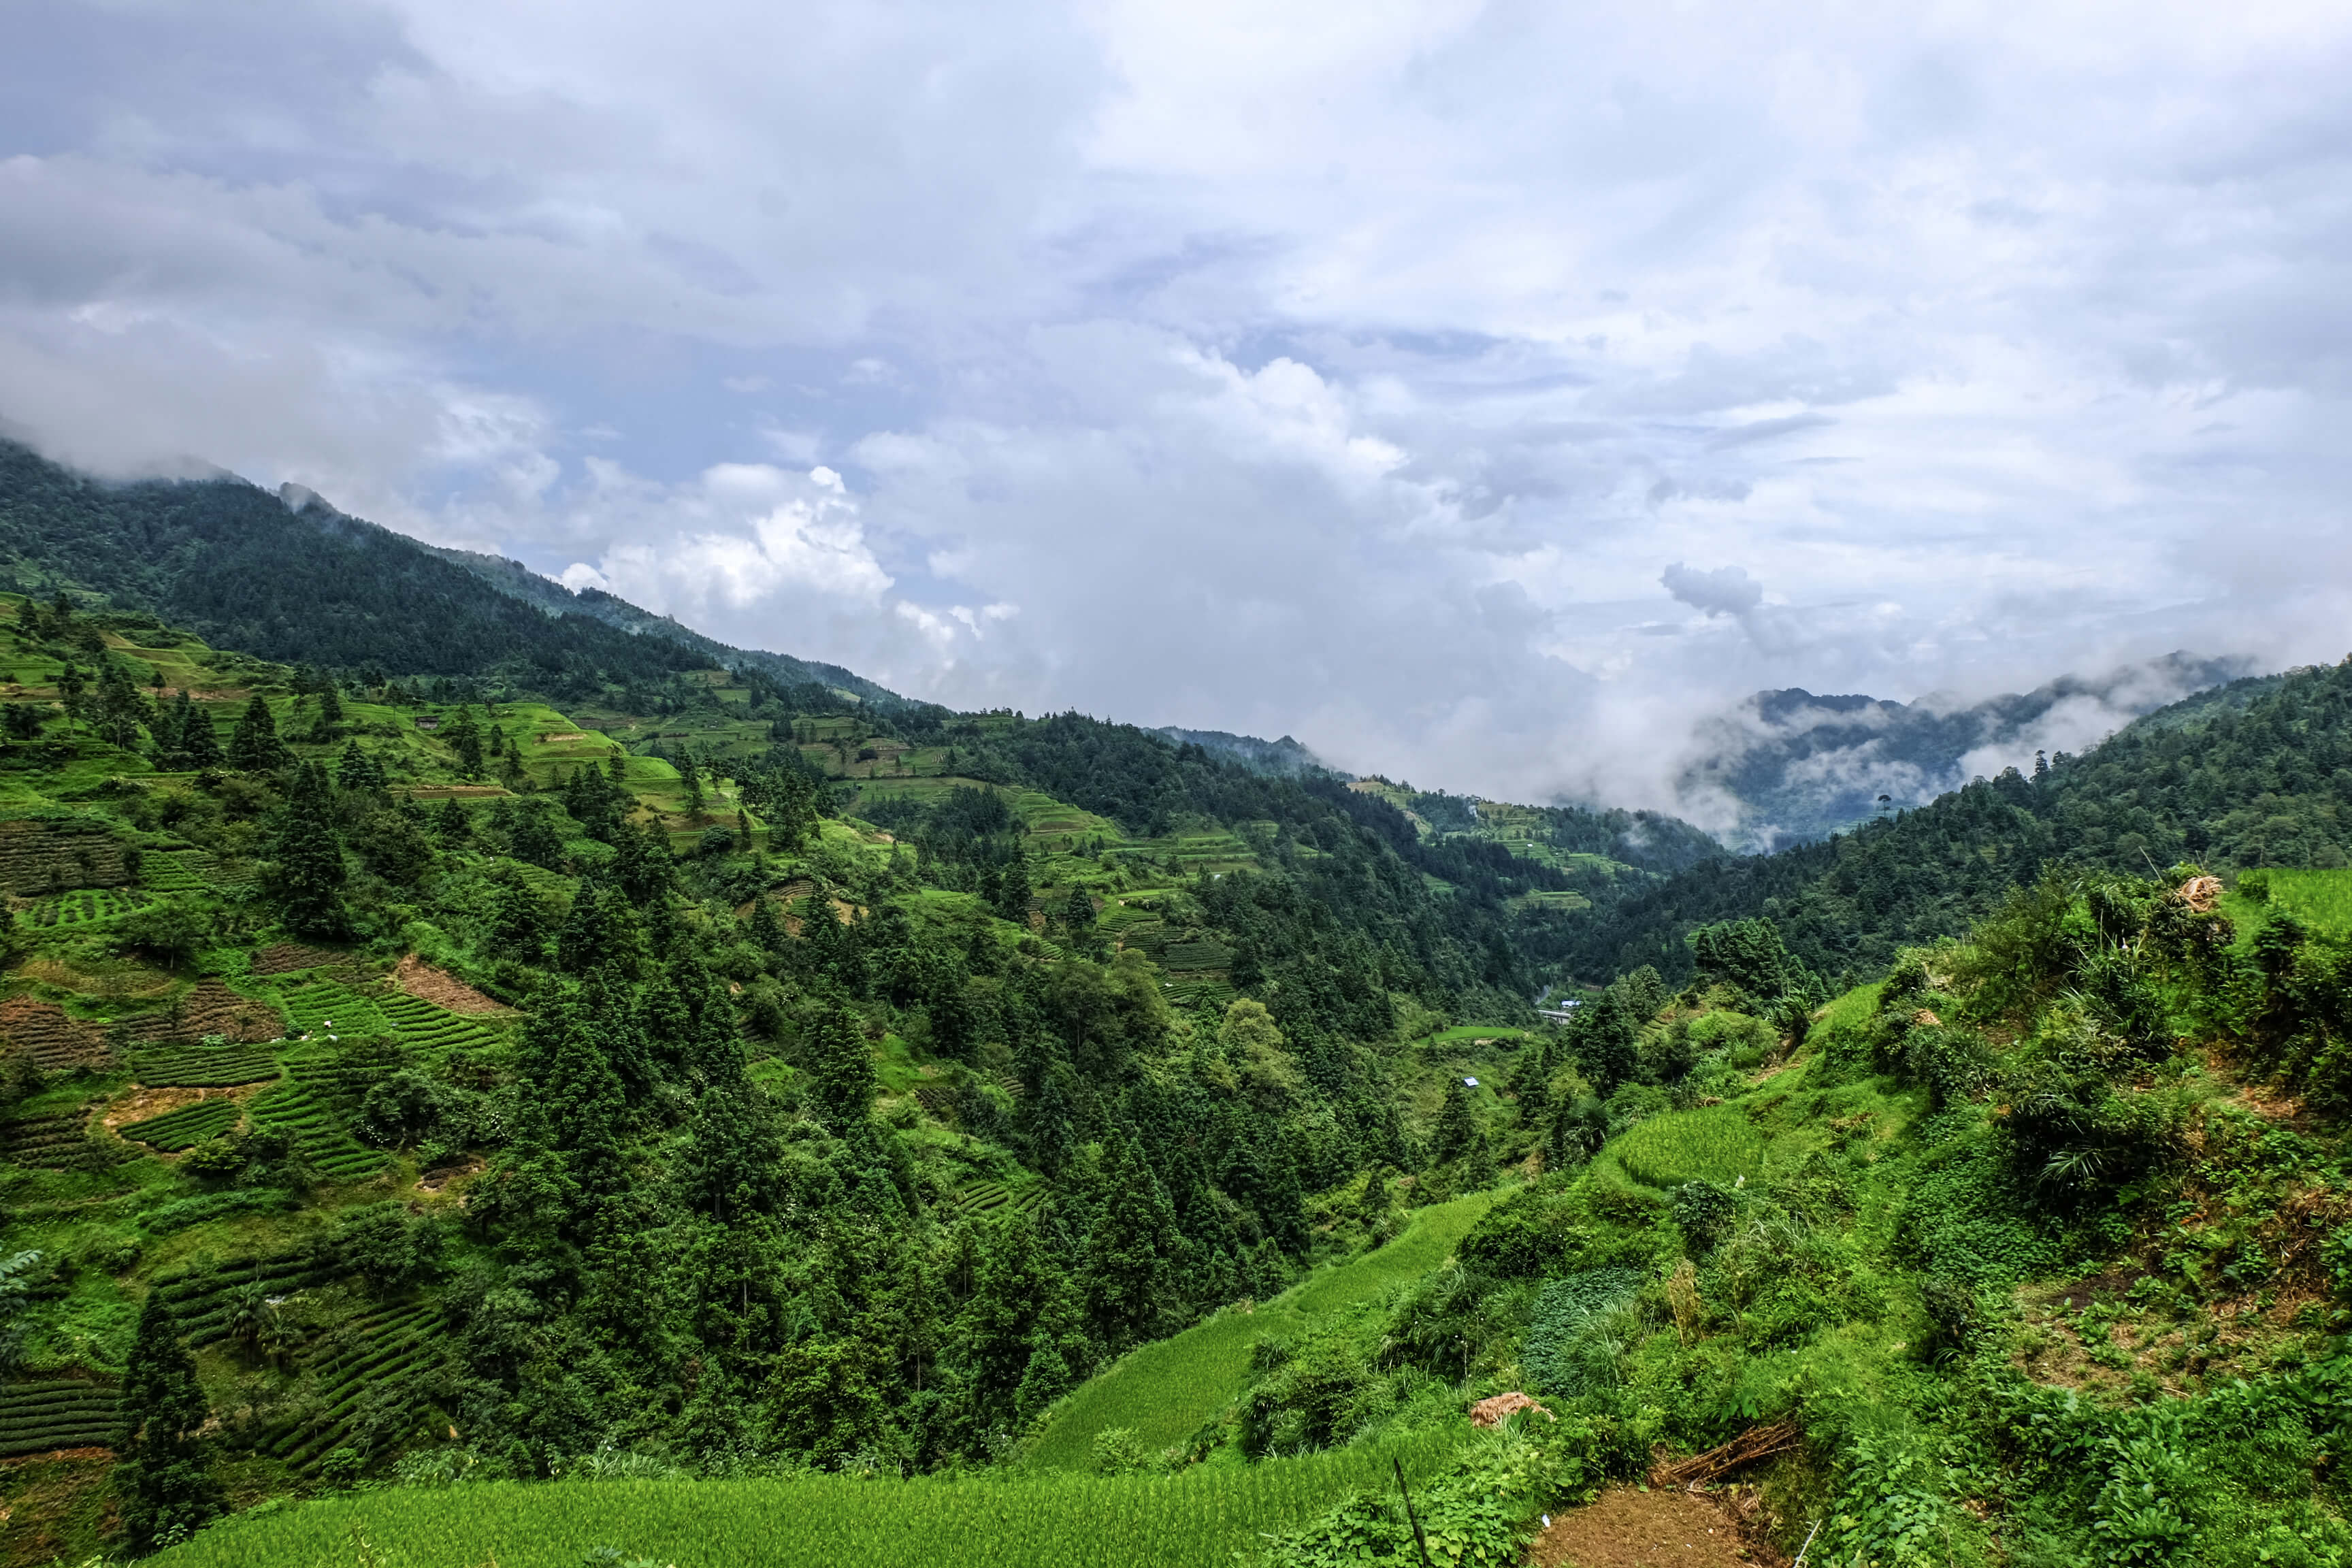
{"points": [[1580, 1330]]}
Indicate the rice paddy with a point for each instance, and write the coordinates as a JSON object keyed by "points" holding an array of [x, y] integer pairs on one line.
{"points": [[1206, 1517], [1719, 1144], [1165, 1391]]}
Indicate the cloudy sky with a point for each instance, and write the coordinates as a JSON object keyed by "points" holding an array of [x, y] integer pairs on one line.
{"points": [[1480, 393]]}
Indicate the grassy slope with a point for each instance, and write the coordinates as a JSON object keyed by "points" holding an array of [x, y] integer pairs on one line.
{"points": [[1203, 1517], [1168, 1391]]}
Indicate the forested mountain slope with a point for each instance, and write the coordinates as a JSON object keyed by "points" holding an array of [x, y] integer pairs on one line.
{"points": [[304, 583], [2250, 774]]}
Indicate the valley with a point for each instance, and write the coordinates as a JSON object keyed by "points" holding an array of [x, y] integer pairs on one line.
{"points": [[562, 1094]]}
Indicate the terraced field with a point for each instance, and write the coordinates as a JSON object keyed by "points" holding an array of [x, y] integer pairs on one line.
{"points": [[383, 1357], [40, 1417], [318, 1127], [420, 1024], [202, 1066], [176, 1130], [58, 1040], [180, 871], [90, 905], [991, 1197], [332, 1009], [204, 1296], [59, 1142], [47, 857]]}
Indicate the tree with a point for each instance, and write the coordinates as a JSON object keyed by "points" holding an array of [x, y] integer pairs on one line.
{"points": [[308, 875], [357, 769], [166, 1492], [465, 738], [330, 705], [451, 823], [1456, 1134], [841, 1069], [1130, 1253], [195, 736], [254, 745], [691, 775], [535, 839], [766, 932]]}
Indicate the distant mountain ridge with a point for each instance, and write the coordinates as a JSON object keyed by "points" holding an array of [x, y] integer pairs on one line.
{"points": [[513, 578], [1794, 766], [288, 577]]}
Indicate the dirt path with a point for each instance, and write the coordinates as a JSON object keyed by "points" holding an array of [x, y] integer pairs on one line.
{"points": [[1629, 1527]]}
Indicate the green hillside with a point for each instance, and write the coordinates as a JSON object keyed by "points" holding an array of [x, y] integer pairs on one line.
{"points": [[641, 1108]]}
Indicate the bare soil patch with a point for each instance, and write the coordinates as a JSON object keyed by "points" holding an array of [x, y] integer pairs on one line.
{"points": [[1629, 1527], [443, 989], [142, 1104]]}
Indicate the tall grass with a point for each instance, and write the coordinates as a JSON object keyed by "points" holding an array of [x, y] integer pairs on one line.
{"points": [[1165, 1391], [2321, 899], [1199, 1518]]}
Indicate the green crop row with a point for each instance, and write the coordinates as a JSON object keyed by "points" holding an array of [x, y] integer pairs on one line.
{"points": [[88, 907], [318, 1131], [1206, 1517], [202, 1066], [393, 1347], [186, 1127], [419, 1023], [59, 1413], [331, 1008]]}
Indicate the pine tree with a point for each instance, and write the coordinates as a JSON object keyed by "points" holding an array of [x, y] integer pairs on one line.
{"points": [[452, 822], [254, 745], [765, 930], [195, 736], [307, 874], [841, 1069], [586, 940], [331, 704], [465, 738], [353, 769], [167, 1493], [1457, 1134], [1012, 890], [1130, 1280], [534, 838]]}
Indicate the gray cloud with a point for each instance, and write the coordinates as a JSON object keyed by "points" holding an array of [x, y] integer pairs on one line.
{"points": [[1726, 590], [1314, 371]]}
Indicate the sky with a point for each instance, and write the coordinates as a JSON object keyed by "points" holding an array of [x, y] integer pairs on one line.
{"points": [[1483, 393]]}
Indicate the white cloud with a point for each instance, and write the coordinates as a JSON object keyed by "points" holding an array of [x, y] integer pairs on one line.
{"points": [[1353, 372]]}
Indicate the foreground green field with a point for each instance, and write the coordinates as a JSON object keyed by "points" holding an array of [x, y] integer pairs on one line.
{"points": [[1166, 1391], [1201, 1517]]}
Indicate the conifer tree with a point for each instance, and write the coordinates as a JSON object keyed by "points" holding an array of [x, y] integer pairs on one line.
{"points": [[254, 745], [331, 703], [519, 927], [465, 738], [586, 940], [1129, 1254], [195, 737], [841, 1069], [166, 1492], [1012, 890], [765, 930], [1456, 1134], [452, 822], [307, 873], [353, 769], [534, 838]]}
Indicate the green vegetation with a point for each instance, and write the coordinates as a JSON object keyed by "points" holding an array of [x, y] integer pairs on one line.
{"points": [[575, 1099]]}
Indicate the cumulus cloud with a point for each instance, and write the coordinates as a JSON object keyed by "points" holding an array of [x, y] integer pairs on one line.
{"points": [[1341, 374]]}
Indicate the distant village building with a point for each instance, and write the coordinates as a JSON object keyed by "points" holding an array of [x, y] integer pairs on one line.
{"points": [[427, 722]]}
